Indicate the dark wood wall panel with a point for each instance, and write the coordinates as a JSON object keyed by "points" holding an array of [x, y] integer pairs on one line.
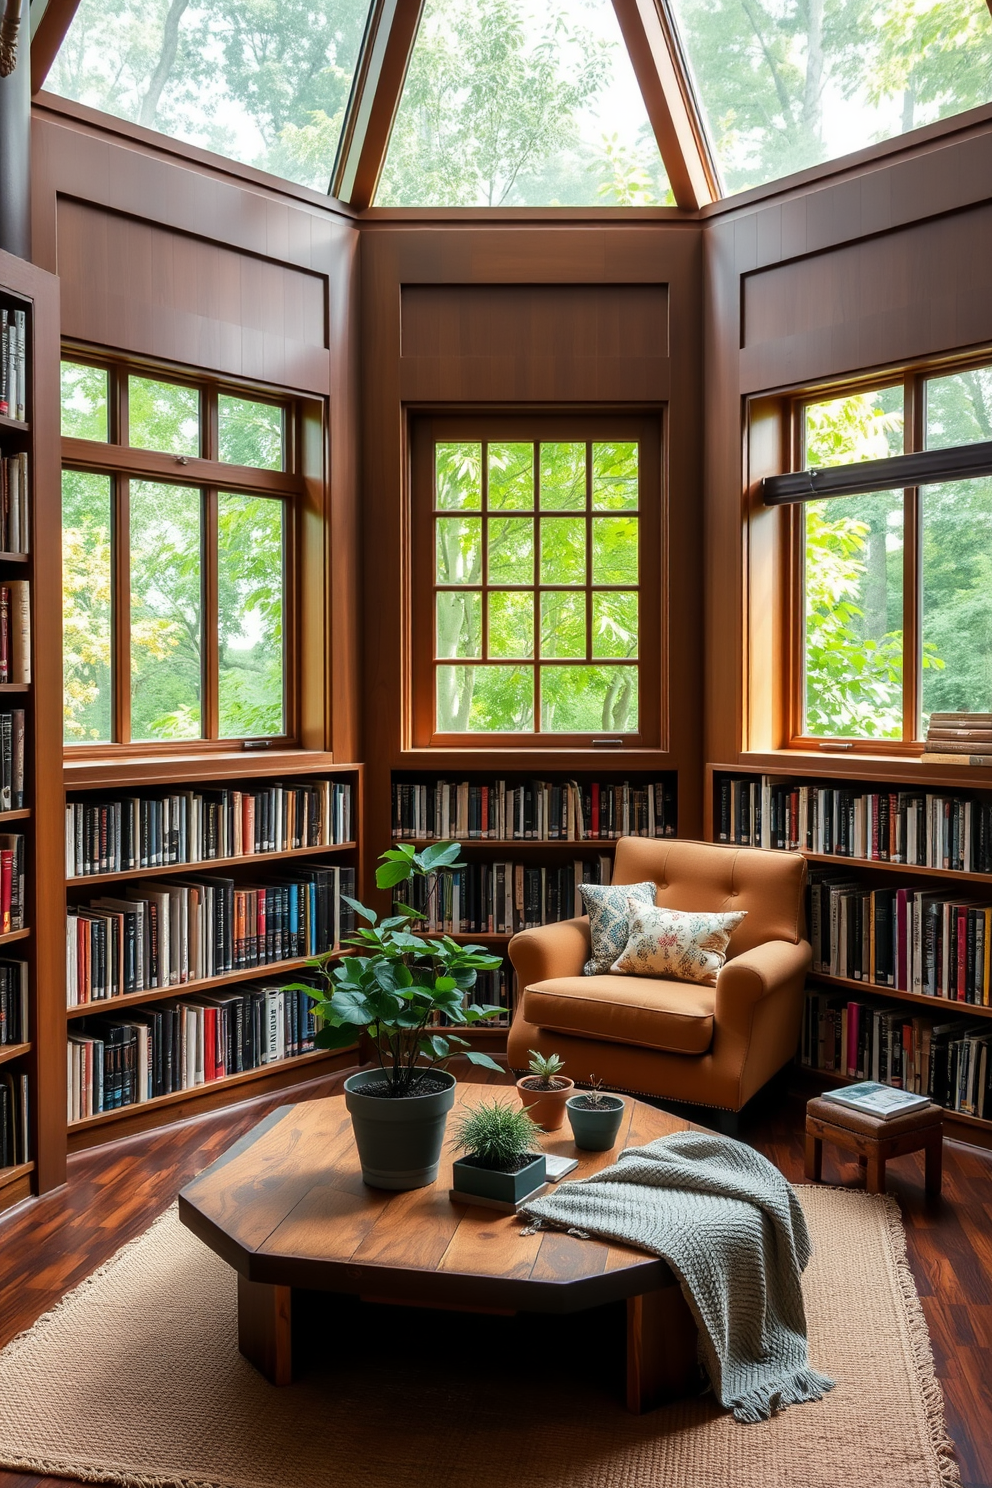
{"points": [[887, 299], [572, 342], [138, 287]]}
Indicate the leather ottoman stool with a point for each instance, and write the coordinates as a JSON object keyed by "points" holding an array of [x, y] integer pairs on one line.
{"points": [[875, 1140]]}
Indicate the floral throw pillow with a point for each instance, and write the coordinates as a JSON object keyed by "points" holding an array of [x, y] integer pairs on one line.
{"points": [[608, 907], [687, 946]]}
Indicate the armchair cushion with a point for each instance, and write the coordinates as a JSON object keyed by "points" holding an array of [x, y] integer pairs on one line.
{"points": [[691, 947], [673, 1016], [608, 909]]}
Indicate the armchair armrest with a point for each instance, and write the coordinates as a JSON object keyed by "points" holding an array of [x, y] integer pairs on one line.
{"points": [[777, 965], [557, 950]]}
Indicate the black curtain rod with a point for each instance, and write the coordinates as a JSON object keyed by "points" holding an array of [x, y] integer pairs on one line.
{"points": [[927, 468]]}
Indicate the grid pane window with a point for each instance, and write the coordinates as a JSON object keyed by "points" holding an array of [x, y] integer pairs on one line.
{"points": [[174, 594], [535, 593]]}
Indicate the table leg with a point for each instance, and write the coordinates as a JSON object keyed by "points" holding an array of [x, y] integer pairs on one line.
{"points": [[814, 1158], [661, 1349], [876, 1173], [265, 1328], [934, 1159]]}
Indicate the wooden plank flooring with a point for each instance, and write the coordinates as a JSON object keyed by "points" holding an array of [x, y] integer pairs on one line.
{"points": [[114, 1192]]}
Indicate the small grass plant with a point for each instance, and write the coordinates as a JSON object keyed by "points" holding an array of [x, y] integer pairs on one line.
{"points": [[497, 1135]]}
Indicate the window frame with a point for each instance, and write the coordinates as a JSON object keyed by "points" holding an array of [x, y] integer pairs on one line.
{"points": [[205, 473], [913, 380], [646, 429]]}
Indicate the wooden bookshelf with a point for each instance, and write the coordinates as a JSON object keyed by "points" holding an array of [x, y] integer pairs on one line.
{"points": [[186, 989], [13, 1051], [860, 774]]}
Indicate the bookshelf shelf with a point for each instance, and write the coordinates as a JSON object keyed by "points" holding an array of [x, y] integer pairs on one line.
{"points": [[112, 772], [21, 426], [13, 1051], [22, 814], [206, 865], [876, 864], [177, 1096], [186, 989], [11, 1175], [875, 989], [516, 844], [13, 935], [15, 557], [10, 687]]}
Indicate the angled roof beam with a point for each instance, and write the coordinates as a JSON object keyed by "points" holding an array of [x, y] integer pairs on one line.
{"points": [[656, 57], [49, 24], [375, 97]]}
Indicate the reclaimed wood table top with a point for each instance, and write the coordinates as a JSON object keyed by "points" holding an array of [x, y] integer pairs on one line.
{"points": [[286, 1206]]}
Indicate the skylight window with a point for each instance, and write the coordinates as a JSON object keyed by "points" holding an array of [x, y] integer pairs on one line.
{"points": [[263, 84], [787, 84], [518, 103]]}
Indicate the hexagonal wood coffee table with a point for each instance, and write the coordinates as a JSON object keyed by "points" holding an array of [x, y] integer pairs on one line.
{"points": [[287, 1208]]}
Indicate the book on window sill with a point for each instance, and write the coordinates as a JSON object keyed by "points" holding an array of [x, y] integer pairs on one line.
{"points": [[877, 1100], [957, 757]]}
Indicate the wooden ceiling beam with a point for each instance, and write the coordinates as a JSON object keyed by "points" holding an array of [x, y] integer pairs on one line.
{"points": [[375, 96], [47, 35], [659, 66]]}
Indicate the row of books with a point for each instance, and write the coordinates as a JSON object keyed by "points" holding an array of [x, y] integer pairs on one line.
{"points": [[502, 898], [949, 1060], [165, 934], [12, 760], [495, 989], [180, 1044], [926, 829], [14, 1144], [14, 502], [15, 631], [194, 826], [14, 1002], [13, 364], [929, 941], [12, 882], [440, 810]]}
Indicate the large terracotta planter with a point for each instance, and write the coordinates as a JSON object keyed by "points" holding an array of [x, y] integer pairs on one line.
{"points": [[545, 1107]]}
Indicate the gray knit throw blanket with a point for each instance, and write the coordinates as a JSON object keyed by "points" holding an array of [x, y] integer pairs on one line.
{"points": [[732, 1230]]}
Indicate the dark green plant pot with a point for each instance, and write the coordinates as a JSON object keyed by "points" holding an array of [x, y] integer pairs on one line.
{"points": [[595, 1131], [490, 1183], [399, 1141]]}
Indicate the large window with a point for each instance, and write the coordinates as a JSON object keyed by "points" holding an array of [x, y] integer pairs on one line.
{"points": [[537, 553], [897, 584], [177, 517]]}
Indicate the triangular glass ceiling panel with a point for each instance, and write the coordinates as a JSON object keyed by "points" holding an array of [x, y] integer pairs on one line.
{"points": [[260, 82], [510, 103], [787, 84]]}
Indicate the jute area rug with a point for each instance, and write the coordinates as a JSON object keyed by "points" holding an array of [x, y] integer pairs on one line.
{"points": [[135, 1378]]}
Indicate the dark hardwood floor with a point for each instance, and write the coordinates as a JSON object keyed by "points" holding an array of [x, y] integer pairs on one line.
{"points": [[114, 1192]]}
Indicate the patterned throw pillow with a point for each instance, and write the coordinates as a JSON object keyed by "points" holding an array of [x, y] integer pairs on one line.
{"points": [[686, 946], [608, 907]]}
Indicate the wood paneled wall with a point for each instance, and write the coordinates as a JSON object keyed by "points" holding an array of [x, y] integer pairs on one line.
{"points": [[163, 257], [525, 317], [881, 267]]}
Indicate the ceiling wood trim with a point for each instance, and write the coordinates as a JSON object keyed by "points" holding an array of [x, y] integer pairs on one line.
{"points": [[375, 97], [656, 57], [47, 36]]}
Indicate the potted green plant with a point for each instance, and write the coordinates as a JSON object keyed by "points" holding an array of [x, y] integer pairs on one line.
{"points": [[396, 987], [594, 1118], [544, 1090], [501, 1164]]}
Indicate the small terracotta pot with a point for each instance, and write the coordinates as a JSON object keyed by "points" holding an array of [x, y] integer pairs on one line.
{"points": [[545, 1107]]}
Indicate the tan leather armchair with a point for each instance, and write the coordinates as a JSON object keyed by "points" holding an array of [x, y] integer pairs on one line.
{"points": [[711, 1046]]}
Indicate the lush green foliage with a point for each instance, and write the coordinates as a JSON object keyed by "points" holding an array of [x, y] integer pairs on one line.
{"points": [[397, 984], [165, 573], [537, 539], [546, 1067], [497, 1134], [785, 85]]}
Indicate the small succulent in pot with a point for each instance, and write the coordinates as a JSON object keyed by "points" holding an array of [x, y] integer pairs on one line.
{"points": [[501, 1162], [595, 1118], [544, 1090]]}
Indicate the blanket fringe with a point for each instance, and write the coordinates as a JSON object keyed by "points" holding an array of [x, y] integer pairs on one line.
{"points": [[796, 1389]]}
